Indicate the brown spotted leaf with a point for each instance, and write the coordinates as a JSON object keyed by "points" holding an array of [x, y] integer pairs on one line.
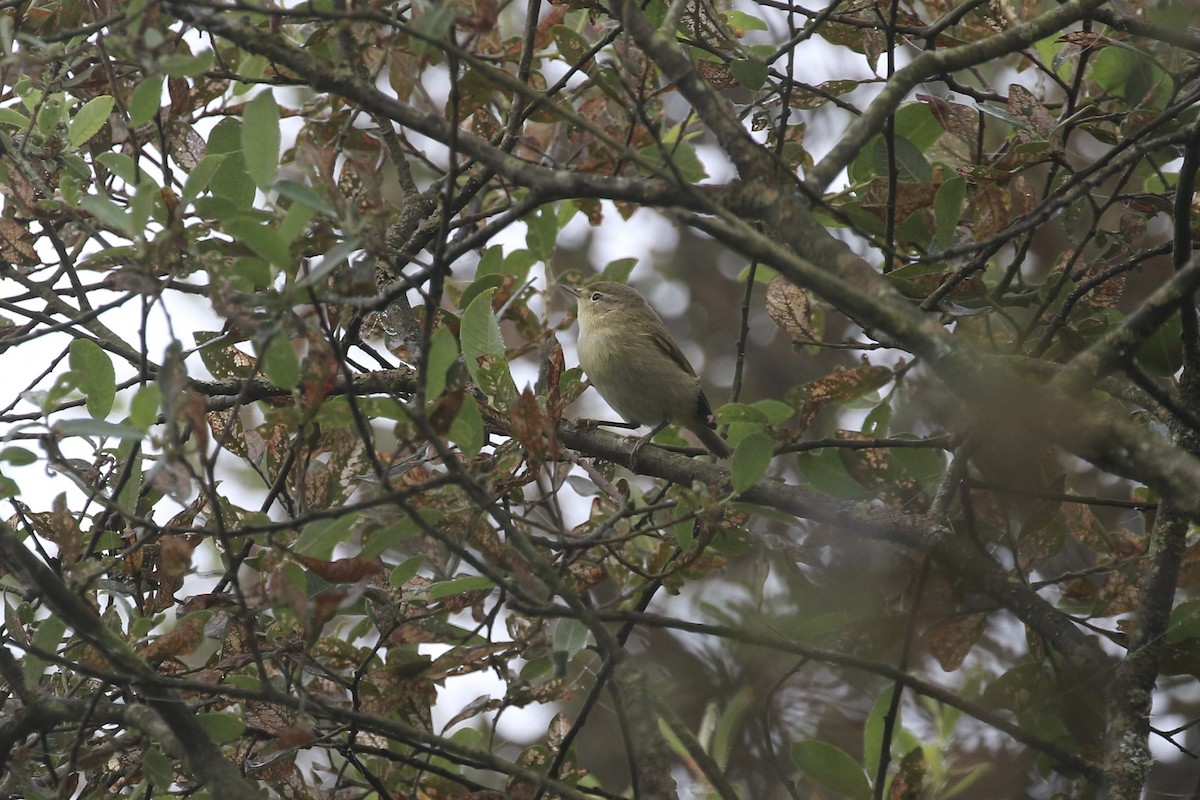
{"points": [[791, 309], [530, 427], [181, 640], [991, 212], [1102, 295], [1121, 591], [1023, 105], [318, 374], [341, 570], [15, 245], [950, 642], [838, 386], [910, 199], [909, 782]]}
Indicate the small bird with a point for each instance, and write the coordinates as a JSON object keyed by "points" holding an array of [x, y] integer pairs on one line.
{"points": [[633, 362]]}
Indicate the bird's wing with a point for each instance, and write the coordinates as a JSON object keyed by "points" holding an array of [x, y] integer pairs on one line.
{"points": [[671, 349]]}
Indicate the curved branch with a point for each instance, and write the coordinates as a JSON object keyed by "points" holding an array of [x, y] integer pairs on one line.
{"points": [[931, 63]]}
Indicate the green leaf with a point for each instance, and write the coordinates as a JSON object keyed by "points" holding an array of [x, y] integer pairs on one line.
{"points": [[406, 528], [1162, 352], [280, 364], [570, 637], [917, 123], [740, 412], [776, 412], [948, 207], [143, 410], [305, 195], [319, 537], [491, 262], [89, 120], [250, 274], [570, 44], [434, 22], [17, 456], [751, 458], [120, 165], [824, 471], [749, 72], [48, 637], [744, 21], [443, 351], [911, 166], [109, 213], [1126, 72], [732, 724], [619, 269], [261, 237], [10, 116], [762, 274], [495, 263], [481, 284], [406, 570], [198, 179], [873, 729], [455, 586], [95, 376], [145, 101], [1185, 622], [261, 139], [95, 427], [685, 528], [158, 768], [878, 420], [187, 65], [923, 464], [131, 490], [221, 726], [252, 67], [378, 542], [482, 344], [331, 260], [999, 113], [232, 180], [542, 236], [832, 768], [683, 158], [52, 113], [148, 194], [295, 222], [467, 430]]}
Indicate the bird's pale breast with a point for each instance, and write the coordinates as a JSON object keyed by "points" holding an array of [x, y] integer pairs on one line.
{"points": [[641, 382]]}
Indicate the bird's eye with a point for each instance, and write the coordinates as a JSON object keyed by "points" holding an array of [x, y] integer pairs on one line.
{"points": [[596, 296]]}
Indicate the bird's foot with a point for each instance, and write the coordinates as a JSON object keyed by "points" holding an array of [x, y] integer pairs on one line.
{"points": [[642, 442]]}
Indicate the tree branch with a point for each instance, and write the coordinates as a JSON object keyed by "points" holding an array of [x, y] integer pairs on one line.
{"points": [[871, 520], [198, 751], [929, 64]]}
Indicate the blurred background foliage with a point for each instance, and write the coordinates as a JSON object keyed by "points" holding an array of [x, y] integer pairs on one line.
{"points": [[291, 389]]}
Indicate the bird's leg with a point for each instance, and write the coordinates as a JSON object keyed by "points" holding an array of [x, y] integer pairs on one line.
{"points": [[641, 442]]}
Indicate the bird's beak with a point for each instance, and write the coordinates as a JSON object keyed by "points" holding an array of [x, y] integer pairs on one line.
{"points": [[571, 290]]}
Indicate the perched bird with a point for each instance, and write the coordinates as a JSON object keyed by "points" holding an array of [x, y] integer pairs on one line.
{"points": [[633, 362]]}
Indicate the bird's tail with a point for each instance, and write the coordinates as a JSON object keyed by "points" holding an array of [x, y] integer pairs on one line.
{"points": [[713, 441]]}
